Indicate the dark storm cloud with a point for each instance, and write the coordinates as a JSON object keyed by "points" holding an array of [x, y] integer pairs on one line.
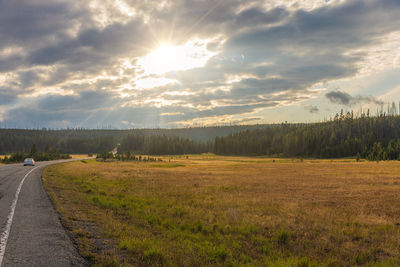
{"points": [[37, 22], [332, 28], [343, 98], [312, 109], [28, 78], [44, 29], [11, 62], [187, 18], [31, 25], [257, 16], [87, 108], [86, 100], [339, 97], [307, 38], [254, 87], [94, 48]]}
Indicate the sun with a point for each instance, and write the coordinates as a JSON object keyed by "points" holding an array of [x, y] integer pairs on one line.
{"points": [[169, 57]]}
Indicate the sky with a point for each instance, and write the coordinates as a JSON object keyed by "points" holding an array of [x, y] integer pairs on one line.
{"points": [[185, 63]]}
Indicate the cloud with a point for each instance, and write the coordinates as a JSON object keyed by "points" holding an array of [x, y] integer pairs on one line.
{"points": [[95, 48], [256, 16], [343, 98], [38, 22], [312, 109], [28, 78]]}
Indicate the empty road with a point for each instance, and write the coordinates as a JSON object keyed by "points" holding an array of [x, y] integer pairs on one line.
{"points": [[30, 231]]}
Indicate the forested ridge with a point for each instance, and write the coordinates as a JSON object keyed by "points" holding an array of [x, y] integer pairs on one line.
{"points": [[96, 141], [375, 138]]}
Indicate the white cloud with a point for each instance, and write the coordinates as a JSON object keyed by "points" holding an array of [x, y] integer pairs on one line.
{"points": [[152, 82], [381, 56]]}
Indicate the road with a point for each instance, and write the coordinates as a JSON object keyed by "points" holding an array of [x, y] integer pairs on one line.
{"points": [[30, 231]]}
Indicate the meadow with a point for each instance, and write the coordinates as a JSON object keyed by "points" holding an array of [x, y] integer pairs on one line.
{"points": [[207, 210]]}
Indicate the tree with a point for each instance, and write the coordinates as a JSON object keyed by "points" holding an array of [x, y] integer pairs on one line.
{"points": [[33, 151]]}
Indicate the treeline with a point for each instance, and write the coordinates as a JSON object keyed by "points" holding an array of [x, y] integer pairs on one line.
{"points": [[127, 156], [374, 138], [162, 145], [84, 141], [48, 154], [64, 141]]}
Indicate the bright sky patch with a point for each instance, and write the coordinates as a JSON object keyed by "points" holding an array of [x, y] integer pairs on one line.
{"points": [[166, 57]]}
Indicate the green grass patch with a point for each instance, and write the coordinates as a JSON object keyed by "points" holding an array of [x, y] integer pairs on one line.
{"points": [[167, 165]]}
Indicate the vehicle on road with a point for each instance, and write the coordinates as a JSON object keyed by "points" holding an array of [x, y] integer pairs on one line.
{"points": [[29, 162]]}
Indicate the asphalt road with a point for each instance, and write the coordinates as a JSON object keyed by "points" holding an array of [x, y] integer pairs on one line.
{"points": [[30, 231]]}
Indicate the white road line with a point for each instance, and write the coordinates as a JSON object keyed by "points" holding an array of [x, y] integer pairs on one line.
{"points": [[5, 234]]}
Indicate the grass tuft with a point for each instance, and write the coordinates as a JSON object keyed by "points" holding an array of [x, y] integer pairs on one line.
{"points": [[154, 257], [282, 238]]}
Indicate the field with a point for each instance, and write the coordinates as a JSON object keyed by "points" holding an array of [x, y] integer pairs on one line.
{"points": [[208, 210]]}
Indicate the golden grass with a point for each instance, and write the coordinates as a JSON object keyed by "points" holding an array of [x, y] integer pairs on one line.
{"points": [[213, 210], [78, 156]]}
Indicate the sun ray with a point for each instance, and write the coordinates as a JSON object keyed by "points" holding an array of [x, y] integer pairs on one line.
{"points": [[194, 25], [169, 57]]}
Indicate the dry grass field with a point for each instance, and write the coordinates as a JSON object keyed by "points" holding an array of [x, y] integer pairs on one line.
{"points": [[78, 156], [209, 210]]}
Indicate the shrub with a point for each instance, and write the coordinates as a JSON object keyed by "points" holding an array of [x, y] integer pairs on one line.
{"points": [[154, 257], [282, 238]]}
